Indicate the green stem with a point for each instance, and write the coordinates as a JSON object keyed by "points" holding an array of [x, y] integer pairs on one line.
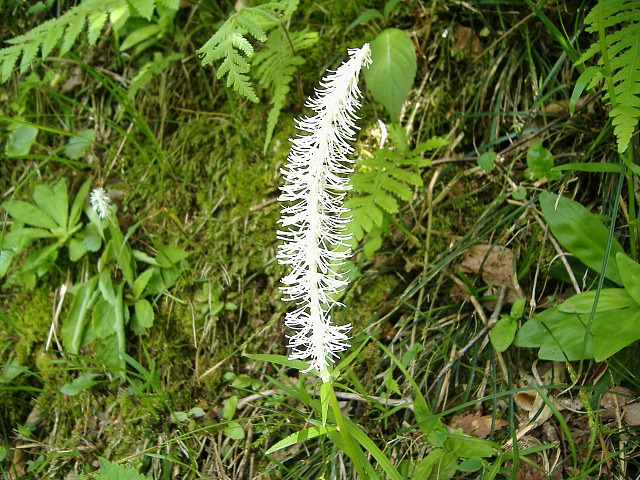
{"points": [[346, 436]]}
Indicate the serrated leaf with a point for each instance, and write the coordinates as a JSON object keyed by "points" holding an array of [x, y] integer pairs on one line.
{"points": [[119, 14], [97, 21], [112, 470], [8, 58], [144, 7], [392, 70], [29, 52], [20, 140], [74, 28]]}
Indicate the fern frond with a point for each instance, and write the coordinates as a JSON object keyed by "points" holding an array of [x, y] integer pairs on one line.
{"points": [[620, 65], [275, 66], [230, 43], [380, 182], [64, 31]]}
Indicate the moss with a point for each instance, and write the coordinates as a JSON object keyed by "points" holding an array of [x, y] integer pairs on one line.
{"points": [[31, 314]]}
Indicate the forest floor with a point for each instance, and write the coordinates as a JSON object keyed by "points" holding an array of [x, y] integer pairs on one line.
{"points": [[182, 160]]}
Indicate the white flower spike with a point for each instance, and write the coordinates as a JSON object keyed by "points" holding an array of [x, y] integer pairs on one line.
{"points": [[312, 216], [100, 202]]}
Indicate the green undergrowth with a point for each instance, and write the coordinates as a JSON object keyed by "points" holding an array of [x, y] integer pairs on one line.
{"points": [[183, 161]]}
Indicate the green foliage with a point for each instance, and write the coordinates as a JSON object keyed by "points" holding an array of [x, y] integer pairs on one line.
{"points": [[567, 331], [392, 71], [275, 66], [63, 32], [379, 183], [504, 331], [49, 217], [230, 42], [373, 14], [617, 24], [540, 163], [111, 470]]}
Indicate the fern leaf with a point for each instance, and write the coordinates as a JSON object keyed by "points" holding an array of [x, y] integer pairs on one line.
{"points": [[28, 54], [8, 58], [144, 8], [275, 67], [230, 42], [96, 24], [52, 39], [119, 14], [76, 25], [622, 49]]}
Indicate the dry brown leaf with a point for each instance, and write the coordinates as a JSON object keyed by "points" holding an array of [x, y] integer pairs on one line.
{"points": [[632, 414], [476, 425], [463, 37]]}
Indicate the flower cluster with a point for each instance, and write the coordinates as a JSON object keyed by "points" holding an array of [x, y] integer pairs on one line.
{"points": [[100, 202], [313, 215]]}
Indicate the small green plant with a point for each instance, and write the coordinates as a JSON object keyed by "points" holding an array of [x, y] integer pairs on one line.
{"points": [[63, 32], [49, 217], [386, 176], [113, 298], [593, 324], [392, 71], [617, 24]]}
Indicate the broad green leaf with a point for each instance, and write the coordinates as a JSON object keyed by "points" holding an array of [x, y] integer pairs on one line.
{"points": [[76, 248], [91, 238], [234, 430], [390, 76], [630, 274], [74, 325], [106, 287], [467, 446], [79, 144], [78, 385], [6, 256], [301, 436], [535, 331], [103, 318], [140, 35], [471, 465], [29, 214], [229, 408], [580, 232], [54, 203], [112, 470], [485, 161], [540, 161], [141, 282], [502, 333], [614, 330], [168, 256], [325, 392], [439, 464], [609, 299], [20, 140], [142, 318]]}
